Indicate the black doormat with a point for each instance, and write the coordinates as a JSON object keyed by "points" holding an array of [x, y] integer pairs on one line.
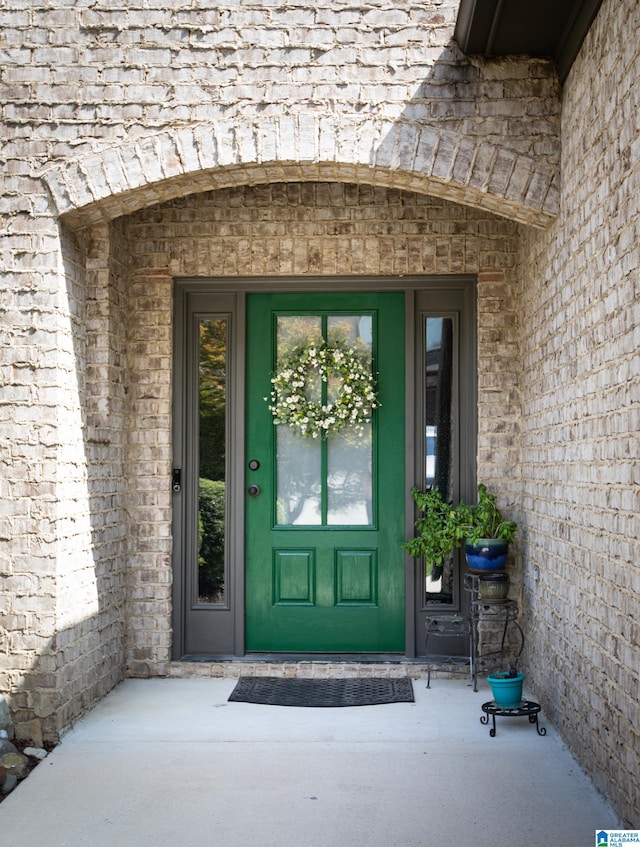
{"points": [[322, 693]]}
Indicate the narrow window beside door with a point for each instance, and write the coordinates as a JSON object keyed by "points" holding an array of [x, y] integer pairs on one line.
{"points": [[438, 339], [212, 436]]}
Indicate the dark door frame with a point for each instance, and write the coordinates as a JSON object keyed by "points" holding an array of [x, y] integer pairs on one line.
{"points": [[216, 295]]}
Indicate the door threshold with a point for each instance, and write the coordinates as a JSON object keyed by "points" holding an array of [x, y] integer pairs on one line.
{"points": [[313, 665]]}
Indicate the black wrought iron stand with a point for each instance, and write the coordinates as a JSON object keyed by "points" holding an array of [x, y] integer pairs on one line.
{"points": [[502, 615], [525, 709], [498, 615]]}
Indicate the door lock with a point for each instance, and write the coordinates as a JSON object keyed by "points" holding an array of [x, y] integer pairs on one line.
{"points": [[253, 490]]}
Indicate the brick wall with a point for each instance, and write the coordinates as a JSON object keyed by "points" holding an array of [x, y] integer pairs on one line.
{"points": [[580, 342], [113, 71]]}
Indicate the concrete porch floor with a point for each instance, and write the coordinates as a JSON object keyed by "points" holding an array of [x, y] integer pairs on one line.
{"points": [[164, 762]]}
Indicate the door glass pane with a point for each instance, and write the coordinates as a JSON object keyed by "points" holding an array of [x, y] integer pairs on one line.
{"points": [[324, 481], [438, 457], [349, 452], [349, 478], [299, 497], [295, 330], [212, 420], [299, 459]]}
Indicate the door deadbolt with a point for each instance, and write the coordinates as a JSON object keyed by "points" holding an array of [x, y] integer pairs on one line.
{"points": [[254, 490], [254, 464]]}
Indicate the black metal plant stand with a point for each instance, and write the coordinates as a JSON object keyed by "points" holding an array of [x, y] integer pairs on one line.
{"points": [[499, 614], [527, 708]]}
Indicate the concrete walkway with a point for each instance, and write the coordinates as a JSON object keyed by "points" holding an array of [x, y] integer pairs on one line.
{"points": [[169, 762]]}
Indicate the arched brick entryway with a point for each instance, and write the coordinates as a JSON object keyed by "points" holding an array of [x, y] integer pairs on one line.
{"points": [[121, 179]]}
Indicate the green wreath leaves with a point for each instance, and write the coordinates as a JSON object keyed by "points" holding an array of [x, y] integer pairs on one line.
{"points": [[296, 398]]}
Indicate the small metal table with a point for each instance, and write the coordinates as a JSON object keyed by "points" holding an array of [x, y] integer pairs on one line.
{"points": [[527, 708]]}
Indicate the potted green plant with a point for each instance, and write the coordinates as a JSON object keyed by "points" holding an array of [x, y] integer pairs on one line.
{"points": [[487, 534], [442, 527]]}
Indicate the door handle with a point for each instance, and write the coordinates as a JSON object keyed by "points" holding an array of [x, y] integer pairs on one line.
{"points": [[253, 490]]}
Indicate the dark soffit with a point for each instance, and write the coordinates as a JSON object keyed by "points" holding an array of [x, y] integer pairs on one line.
{"points": [[553, 29]]}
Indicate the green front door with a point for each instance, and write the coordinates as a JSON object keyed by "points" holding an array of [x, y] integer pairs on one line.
{"points": [[325, 515]]}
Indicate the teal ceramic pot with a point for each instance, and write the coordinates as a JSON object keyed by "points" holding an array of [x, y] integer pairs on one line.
{"points": [[506, 690], [487, 556]]}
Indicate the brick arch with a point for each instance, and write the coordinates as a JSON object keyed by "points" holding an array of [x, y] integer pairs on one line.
{"points": [[121, 179]]}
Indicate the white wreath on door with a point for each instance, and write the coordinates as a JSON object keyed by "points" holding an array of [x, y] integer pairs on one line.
{"points": [[290, 402]]}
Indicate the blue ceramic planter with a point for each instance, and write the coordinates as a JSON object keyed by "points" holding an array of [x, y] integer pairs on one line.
{"points": [[487, 556], [506, 690]]}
